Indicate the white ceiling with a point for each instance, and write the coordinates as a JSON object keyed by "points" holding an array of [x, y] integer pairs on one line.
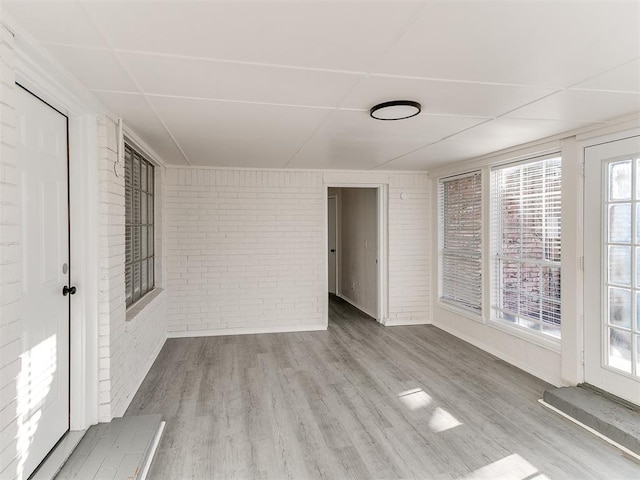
{"points": [[289, 84]]}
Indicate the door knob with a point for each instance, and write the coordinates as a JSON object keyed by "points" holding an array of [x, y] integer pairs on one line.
{"points": [[66, 290], [333, 250]]}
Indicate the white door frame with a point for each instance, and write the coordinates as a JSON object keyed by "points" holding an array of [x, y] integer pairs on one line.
{"points": [[337, 232], [383, 244], [34, 71], [592, 249]]}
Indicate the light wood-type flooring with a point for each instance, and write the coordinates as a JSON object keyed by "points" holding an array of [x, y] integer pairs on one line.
{"points": [[359, 401]]}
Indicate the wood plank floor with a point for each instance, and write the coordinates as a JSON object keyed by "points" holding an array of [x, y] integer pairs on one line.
{"points": [[359, 401]]}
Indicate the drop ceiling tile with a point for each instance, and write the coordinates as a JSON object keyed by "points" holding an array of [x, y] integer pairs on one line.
{"points": [[481, 140], [335, 35], [622, 79], [353, 140], [136, 114], [531, 43], [232, 81], [444, 97], [96, 69], [55, 21], [577, 105], [238, 134], [434, 155]]}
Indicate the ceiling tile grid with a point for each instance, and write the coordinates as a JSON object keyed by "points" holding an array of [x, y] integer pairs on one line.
{"points": [[289, 84]]}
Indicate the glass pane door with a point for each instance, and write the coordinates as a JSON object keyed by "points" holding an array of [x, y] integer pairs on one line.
{"points": [[612, 267], [620, 251]]}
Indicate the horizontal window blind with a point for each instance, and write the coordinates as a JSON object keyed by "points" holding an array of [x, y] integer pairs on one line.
{"points": [[139, 225], [526, 237], [460, 201]]}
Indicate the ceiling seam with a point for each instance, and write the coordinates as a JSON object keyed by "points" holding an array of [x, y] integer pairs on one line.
{"points": [[432, 143], [133, 79], [274, 104], [249, 102], [115, 51], [573, 85], [477, 125], [401, 33], [206, 59]]}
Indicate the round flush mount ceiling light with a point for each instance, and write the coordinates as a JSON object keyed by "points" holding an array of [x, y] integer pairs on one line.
{"points": [[395, 110]]}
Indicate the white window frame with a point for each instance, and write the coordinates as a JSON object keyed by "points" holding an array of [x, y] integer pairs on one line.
{"points": [[539, 338], [149, 258], [477, 315]]}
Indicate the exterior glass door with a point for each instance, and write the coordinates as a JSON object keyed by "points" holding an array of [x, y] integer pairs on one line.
{"points": [[612, 267]]}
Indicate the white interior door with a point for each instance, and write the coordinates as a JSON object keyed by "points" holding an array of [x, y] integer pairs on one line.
{"points": [[43, 387], [331, 241], [612, 267]]}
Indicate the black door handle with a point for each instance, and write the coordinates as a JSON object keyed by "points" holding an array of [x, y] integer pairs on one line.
{"points": [[66, 290], [333, 250]]}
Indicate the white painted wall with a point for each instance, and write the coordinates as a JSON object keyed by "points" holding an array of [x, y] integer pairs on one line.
{"points": [[246, 249], [128, 343], [359, 248], [110, 355]]}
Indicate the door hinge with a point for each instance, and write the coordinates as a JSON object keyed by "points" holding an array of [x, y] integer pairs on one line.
{"points": [[582, 169], [582, 263], [582, 357]]}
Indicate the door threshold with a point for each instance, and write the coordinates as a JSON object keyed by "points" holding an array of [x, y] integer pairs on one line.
{"points": [[52, 464]]}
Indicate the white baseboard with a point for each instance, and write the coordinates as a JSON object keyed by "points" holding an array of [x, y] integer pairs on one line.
{"points": [[556, 382], [400, 323], [247, 331]]}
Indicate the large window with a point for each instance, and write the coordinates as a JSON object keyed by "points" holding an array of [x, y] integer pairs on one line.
{"points": [[461, 241], [139, 249], [526, 215]]}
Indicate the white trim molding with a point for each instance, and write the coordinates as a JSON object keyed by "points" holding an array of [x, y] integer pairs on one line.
{"points": [[247, 331], [38, 73]]}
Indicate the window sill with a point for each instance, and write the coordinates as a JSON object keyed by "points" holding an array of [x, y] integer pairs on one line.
{"points": [[141, 304], [550, 343], [476, 317]]}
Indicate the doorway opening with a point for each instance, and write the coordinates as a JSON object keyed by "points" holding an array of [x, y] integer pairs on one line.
{"points": [[355, 247]]}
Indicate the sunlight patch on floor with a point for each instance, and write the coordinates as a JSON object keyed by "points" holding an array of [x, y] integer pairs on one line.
{"points": [[513, 467], [415, 399], [442, 420]]}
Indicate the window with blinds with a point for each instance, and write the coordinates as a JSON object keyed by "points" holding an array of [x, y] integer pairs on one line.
{"points": [[526, 228], [460, 202], [139, 226]]}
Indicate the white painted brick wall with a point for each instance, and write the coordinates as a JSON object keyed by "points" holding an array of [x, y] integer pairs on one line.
{"points": [[112, 293], [409, 250], [126, 348], [140, 344], [10, 264], [245, 249]]}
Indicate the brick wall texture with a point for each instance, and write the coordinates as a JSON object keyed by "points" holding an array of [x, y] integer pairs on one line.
{"points": [[126, 348], [10, 265], [245, 250]]}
